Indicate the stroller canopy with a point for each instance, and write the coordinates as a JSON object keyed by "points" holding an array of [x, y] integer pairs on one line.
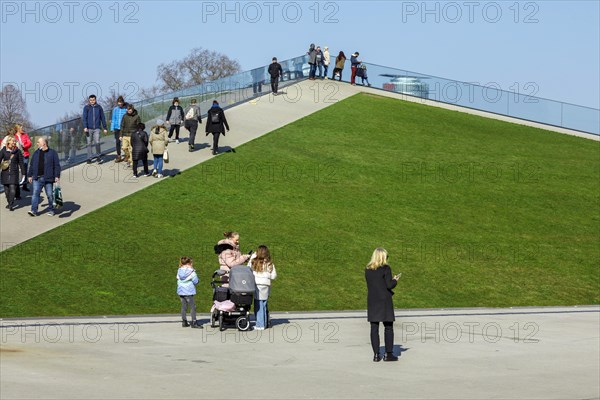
{"points": [[241, 279]]}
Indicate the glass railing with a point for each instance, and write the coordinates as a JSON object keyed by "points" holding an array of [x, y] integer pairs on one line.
{"points": [[70, 141], [489, 98]]}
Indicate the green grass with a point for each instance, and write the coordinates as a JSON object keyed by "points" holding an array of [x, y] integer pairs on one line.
{"points": [[474, 212]]}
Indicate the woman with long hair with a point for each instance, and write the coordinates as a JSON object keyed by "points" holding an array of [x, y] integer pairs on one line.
{"points": [[380, 306], [264, 273], [340, 60]]}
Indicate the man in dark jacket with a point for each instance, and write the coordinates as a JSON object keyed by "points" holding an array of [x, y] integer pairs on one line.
{"points": [[93, 119], [216, 124], [275, 71], [44, 171]]}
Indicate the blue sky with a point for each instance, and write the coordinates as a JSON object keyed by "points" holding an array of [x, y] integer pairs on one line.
{"points": [[59, 51]]}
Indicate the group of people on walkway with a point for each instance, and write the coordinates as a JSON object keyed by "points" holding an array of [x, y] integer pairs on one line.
{"points": [[320, 59], [229, 257], [42, 171]]}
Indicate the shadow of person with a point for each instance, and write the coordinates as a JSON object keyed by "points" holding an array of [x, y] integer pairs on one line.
{"points": [[398, 350], [68, 209], [226, 149]]}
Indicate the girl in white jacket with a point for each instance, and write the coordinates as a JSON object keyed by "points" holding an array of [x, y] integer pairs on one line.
{"points": [[264, 273]]}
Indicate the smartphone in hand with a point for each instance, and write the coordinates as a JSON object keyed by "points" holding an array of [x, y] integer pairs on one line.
{"points": [[396, 277]]}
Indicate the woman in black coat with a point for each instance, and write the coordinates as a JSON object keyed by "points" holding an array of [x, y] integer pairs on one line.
{"points": [[139, 149], [10, 176], [216, 124], [380, 307]]}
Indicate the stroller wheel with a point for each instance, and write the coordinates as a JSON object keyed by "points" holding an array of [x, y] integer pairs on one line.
{"points": [[213, 320], [242, 323], [221, 327]]}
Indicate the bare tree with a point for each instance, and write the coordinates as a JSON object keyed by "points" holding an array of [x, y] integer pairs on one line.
{"points": [[13, 109], [199, 66]]}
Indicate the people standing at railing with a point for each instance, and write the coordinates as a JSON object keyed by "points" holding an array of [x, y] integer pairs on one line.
{"points": [[275, 71], [73, 140], [312, 61], [175, 117], [326, 61], [93, 120], [117, 116], [354, 63], [193, 117], [216, 123], [129, 125], [340, 61], [44, 171], [158, 143], [24, 141], [320, 59], [361, 72], [12, 163], [258, 76]]}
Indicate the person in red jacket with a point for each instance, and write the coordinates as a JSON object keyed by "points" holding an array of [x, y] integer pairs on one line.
{"points": [[25, 144]]}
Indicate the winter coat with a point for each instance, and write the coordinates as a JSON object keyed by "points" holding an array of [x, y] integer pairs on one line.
{"points": [[11, 175], [175, 115], [219, 127], [340, 62], [380, 306], [51, 165], [354, 61], [139, 145], [312, 54], [158, 141], [197, 116], [25, 143], [263, 280], [326, 57], [129, 123], [319, 58], [275, 70], [230, 254], [93, 117], [117, 116], [187, 279]]}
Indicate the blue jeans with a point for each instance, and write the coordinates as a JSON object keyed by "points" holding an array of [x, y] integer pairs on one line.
{"points": [[37, 190], [260, 313], [325, 69], [313, 70], [320, 66], [158, 163]]}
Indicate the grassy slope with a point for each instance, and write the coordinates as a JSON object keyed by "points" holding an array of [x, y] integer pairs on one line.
{"points": [[474, 212]]}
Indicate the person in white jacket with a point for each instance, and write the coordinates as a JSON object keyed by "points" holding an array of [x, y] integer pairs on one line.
{"points": [[264, 273]]}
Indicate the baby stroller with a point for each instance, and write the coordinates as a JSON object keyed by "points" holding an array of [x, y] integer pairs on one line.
{"points": [[232, 305]]}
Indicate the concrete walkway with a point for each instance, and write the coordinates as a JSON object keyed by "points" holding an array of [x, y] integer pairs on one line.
{"points": [[522, 353], [89, 187]]}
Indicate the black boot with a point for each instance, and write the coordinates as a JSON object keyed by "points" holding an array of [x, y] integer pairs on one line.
{"points": [[390, 357], [184, 323], [376, 357], [196, 325]]}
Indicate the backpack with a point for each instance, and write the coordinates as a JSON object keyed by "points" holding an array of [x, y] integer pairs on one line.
{"points": [[215, 117], [191, 114]]}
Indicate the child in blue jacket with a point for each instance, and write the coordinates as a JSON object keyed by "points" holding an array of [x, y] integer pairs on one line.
{"points": [[187, 279]]}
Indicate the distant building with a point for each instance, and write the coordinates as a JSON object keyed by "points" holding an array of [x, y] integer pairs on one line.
{"points": [[411, 85]]}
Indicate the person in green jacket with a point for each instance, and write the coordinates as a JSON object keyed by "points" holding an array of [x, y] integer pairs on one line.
{"points": [[129, 125]]}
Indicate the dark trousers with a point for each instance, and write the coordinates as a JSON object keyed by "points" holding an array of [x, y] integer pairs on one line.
{"points": [[216, 141], [274, 84], [388, 335], [144, 162], [335, 70], [185, 302], [192, 126], [11, 192], [176, 129], [117, 133]]}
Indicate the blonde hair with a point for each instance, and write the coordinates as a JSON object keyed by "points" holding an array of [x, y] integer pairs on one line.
{"points": [[379, 258], [262, 261]]}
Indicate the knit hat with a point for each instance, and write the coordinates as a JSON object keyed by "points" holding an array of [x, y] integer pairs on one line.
{"points": [[160, 122]]}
